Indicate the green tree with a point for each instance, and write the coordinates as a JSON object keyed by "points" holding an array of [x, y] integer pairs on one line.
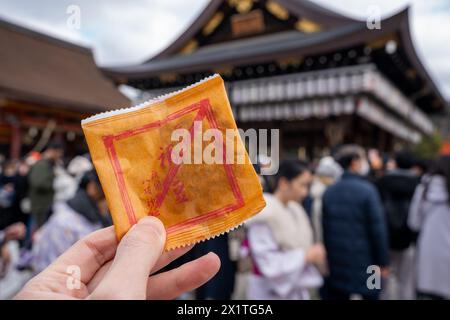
{"points": [[430, 146]]}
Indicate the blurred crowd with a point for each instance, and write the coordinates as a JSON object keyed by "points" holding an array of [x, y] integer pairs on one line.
{"points": [[356, 224], [47, 204]]}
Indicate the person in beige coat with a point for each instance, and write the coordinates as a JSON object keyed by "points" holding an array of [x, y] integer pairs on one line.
{"points": [[281, 241]]}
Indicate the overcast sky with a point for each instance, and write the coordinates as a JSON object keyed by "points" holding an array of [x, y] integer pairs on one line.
{"points": [[127, 32]]}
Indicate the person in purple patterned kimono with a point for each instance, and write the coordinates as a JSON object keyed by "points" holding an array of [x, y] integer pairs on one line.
{"points": [[71, 221]]}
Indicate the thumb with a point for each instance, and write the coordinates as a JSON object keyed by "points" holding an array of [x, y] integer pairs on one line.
{"points": [[137, 253]]}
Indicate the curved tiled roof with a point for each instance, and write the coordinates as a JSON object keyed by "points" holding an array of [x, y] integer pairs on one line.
{"points": [[44, 70]]}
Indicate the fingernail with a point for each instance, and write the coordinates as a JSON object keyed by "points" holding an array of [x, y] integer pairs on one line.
{"points": [[155, 223]]}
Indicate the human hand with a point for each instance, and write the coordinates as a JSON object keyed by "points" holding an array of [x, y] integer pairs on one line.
{"points": [[15, 231], [316, 254], [112, 270]]}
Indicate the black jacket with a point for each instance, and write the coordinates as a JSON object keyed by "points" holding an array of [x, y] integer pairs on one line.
{"points": [[397, 189], [354, 233]]}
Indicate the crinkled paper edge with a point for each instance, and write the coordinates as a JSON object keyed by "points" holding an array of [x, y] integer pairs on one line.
{"points": [[145, 104], [192, 243]]}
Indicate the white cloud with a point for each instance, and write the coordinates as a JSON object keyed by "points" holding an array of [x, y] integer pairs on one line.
{"points": [[430, 29], [120, 32], [129, 32], [133, 33]]}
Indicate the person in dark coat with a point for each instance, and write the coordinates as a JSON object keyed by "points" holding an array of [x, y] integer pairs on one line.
{"points": [[40, 179], [221, 286], [354, 231], [397, 188], [7, 194]]}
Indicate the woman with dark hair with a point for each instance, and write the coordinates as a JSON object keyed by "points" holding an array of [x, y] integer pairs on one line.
{"points": [[430, 215], [281, 240]]}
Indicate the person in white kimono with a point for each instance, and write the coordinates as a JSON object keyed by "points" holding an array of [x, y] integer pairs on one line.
{"points": [[280, 239]]}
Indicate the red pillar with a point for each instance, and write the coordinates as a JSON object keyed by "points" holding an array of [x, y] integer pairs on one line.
{"points": [[16, 141]]}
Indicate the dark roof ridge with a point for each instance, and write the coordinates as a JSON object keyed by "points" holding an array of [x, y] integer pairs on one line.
{"points": [[12, 26]]}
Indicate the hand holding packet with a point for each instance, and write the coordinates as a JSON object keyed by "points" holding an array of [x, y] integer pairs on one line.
{"points": [[174, 157]]}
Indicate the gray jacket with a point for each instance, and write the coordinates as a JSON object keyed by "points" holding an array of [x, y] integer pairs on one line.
{"points": [[430, 215]]}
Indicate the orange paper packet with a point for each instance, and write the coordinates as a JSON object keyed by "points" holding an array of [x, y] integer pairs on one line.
{"points": [[132, 152]]}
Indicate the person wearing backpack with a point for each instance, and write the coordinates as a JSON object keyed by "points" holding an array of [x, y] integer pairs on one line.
{"points": [[430, 216], [396, 189]]}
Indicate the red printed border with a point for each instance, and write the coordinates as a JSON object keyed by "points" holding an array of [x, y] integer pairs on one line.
{"points": [[203, 109]]}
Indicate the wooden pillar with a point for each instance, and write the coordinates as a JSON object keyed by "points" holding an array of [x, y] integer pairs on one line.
{"points": [[16, 141]]}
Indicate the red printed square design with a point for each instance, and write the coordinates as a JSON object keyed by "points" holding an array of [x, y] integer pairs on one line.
{"points": [[202, 110]]}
